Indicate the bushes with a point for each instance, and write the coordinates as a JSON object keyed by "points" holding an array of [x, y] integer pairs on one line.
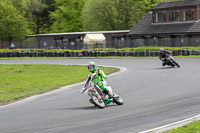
{"points": [[102, 49], [94, 53], [137, 52]]}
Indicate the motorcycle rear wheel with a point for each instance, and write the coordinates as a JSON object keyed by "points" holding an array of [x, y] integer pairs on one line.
{"points": [[97, 102], [118, 100]]}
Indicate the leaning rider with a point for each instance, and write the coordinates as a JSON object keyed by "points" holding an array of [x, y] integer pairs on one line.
{"points": [[99, 79], [163, 55]]}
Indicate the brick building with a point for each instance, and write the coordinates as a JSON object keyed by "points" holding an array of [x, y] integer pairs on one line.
{"points": [[169, 24]]}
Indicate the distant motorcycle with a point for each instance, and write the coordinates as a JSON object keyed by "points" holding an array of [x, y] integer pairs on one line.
{"points": [[97, 97], [171, 62]]}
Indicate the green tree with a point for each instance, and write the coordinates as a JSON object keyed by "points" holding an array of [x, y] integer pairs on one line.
{"points": [[38, 13], [39, 19], [67, 16], [13, 25], [113, 14], [21, 5], [50, 7]]}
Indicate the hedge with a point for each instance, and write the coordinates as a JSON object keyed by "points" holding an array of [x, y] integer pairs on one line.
{"points": [[93, 53]]}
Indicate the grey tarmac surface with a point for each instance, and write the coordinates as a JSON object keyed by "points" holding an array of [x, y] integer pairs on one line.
{"points": [[154, 96]]}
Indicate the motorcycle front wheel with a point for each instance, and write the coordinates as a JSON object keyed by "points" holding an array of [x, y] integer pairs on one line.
{"points": [[98, 102], [176, 64]]}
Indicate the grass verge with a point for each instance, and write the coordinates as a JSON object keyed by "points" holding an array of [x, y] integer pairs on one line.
{"points": [[21, 80], [193, 127]]}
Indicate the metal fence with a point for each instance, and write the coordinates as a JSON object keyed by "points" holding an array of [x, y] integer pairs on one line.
{"points": [[78, 45], [19, 44], [167, 42]]}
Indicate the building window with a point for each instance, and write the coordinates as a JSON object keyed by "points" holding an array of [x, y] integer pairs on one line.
{"points": [[188, 15], [160, 17], [174, 16]]}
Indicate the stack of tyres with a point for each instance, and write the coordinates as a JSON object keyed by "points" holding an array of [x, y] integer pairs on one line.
{"points": [[141, 54], [146, 53], [103, 53], [108, 53], [175, 52], [60, 54], [67, 53], [156, 53], [131, 53], [83, 53]]}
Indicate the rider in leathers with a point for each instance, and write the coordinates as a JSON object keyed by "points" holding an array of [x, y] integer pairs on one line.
{"points": [[163, 55], [99, 79]]}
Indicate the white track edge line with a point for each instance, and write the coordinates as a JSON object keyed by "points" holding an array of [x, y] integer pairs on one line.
{"points": [[172, 124]]}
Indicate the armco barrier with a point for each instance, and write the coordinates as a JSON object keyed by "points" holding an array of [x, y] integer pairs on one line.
{"points": [[94, 53]]}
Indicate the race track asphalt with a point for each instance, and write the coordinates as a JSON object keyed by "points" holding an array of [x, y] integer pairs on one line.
{"points": [[154, 96]]}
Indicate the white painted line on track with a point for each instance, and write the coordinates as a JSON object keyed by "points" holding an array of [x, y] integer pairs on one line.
{"points": [[172, 125], [64, 88]]}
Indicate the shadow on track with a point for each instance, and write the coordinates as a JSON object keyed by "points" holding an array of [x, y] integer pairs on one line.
{"points": [[86, 108], [165, 67], [80, 108]]}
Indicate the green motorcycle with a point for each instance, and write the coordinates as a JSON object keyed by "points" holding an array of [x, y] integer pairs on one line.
{"points": [[97, 97]]}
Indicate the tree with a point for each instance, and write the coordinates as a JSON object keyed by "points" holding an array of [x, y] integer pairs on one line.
{"points": [[67, 16], [39, 19], [38, 13], [50, 7], [13, 26], [21, 5], [112, 14]]}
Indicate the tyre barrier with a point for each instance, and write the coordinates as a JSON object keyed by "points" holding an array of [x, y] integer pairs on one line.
{"points": [[94, 53]]}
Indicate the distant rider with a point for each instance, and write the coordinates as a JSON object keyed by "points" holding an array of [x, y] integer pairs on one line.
{"points": [[163, 55], [99, 79]]}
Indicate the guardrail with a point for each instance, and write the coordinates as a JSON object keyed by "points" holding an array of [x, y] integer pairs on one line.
{"points": [[95, 53]]}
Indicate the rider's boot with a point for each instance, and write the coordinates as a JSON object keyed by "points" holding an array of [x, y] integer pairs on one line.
{"points": [[163, 63], [110, 94], [105, 90], [90, 100]]}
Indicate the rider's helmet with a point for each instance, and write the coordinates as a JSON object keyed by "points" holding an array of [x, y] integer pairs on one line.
{"points": [[161, 50], [91, 66]]}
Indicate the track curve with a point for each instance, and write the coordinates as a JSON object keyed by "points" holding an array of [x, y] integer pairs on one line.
{"points": [[154, 96]]}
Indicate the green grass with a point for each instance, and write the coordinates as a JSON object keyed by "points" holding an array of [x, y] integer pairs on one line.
{"points": [[193, 127], [19, 81]]}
